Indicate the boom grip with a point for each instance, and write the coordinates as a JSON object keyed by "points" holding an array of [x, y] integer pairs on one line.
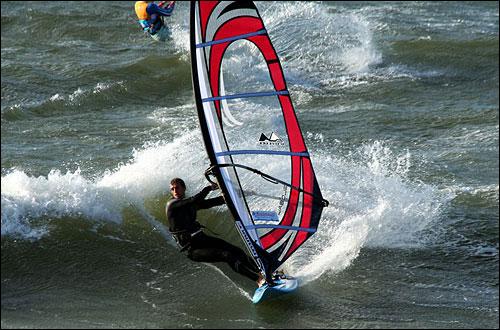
{"points": [[210, 172]]}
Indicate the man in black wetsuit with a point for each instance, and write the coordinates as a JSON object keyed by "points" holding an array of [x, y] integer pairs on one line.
{"points": [[187, 232]]}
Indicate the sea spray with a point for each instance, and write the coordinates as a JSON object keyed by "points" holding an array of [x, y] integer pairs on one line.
{"points": [[373, 204], [26, 198]]}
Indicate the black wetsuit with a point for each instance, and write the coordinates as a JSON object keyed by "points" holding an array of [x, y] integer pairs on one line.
{"points": [[181, 215]]}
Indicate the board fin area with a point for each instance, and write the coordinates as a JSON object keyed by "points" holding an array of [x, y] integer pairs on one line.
{"points": [[280, 287], [282, 284]]}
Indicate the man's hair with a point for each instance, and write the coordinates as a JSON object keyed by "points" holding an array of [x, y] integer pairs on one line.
{"points": [[178, 181]]}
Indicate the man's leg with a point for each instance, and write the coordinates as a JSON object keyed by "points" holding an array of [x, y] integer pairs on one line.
{"points": [[210, 249]]}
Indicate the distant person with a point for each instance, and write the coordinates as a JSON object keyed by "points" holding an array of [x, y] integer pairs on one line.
{"points": [[151, 15], [188, 233]]}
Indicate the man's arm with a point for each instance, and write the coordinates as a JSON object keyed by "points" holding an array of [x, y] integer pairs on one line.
{"points": [[208, 203], [196, 199], [155, 9]]}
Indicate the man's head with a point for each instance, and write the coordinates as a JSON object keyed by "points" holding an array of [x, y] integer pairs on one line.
{"points": [[177, 188]]}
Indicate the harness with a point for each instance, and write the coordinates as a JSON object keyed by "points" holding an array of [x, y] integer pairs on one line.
{"points": [[178, 237]]}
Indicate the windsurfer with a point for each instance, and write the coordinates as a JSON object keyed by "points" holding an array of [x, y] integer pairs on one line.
{"points": [[150, 17], [188, 232]]}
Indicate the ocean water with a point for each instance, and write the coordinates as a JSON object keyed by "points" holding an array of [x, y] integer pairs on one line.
{"points": [[399, 106]]}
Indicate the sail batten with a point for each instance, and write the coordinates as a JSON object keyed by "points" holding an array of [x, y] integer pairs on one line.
{"points": [[232, 38], [262, 152], [310, 230], [244, 95]]}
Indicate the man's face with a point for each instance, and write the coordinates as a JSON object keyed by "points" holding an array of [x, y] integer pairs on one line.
{"points": [[177, 190]]}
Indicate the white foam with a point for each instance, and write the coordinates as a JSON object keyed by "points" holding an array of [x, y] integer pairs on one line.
{"points": [[321, 45], [372, 203], [81, 92], [179, 28], [27, 198]]}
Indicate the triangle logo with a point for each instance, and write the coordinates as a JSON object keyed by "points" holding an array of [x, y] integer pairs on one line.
{"points": [[274, 137]]}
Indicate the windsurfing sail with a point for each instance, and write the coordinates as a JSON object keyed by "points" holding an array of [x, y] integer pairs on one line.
{"points": [[251, 132]]}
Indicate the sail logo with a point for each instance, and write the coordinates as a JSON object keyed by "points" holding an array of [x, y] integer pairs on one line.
{"points": [[272, 139]]}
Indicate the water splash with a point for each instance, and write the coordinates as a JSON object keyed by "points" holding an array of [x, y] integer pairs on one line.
{"points": [[373, 203], [26, 198], [326, 46]]}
